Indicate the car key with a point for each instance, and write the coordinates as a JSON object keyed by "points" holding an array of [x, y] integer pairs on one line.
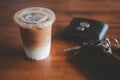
{"points": [[84, 30]]}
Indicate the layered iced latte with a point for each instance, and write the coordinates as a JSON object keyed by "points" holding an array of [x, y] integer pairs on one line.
{"points": [[35, 25]]}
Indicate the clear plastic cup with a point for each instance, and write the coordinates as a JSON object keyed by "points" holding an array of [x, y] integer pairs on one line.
{"points": [[35, 25]]}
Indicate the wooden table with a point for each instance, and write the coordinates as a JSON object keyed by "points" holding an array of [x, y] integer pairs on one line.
{"points": [[13, 63]]}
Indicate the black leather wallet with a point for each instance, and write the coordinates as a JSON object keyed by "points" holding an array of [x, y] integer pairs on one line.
{"points": [[82, 29], [101, 65]]}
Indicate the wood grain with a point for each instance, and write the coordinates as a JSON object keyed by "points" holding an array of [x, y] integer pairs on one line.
{"points": [[13, 63]]}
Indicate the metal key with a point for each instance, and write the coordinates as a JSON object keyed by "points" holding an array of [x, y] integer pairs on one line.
{"points": [[90, 43], [73, 48]]}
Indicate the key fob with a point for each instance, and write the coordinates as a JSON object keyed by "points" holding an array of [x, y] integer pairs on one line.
{"points": [[82, 29]]}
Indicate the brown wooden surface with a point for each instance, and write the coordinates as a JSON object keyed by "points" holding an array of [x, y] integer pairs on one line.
{"points": [[13, 63]]}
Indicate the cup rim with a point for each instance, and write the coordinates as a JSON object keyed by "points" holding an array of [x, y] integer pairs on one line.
{"points": [[23, 24]]}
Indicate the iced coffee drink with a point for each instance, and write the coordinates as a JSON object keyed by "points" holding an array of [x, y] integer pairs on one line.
{"points": [[35, 25]]}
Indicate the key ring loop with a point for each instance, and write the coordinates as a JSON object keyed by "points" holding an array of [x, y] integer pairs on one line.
{"points": [[106, 42], [107, 45], [116, 45]]}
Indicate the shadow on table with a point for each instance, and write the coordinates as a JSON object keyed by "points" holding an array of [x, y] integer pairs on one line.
{"points": [[12, 51]]}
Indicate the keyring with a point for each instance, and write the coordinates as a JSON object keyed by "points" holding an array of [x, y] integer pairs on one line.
{"points": [[116, 45], [107, 45]]}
